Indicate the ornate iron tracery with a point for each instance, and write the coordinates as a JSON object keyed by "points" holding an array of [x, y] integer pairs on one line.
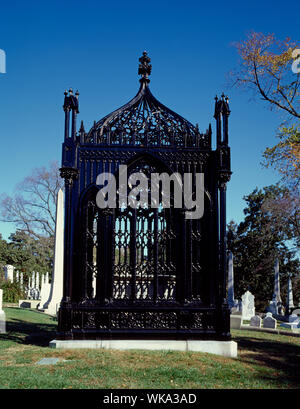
{"points": [[144, 272]]}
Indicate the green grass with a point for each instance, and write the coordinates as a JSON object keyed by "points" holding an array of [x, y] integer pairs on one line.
{"points": [[264, 361]]}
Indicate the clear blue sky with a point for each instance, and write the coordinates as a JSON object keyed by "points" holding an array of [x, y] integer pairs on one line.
{"points": [[94, 46]]}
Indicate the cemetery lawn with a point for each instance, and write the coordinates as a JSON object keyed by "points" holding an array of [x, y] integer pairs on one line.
{"points": [[264, 361]]}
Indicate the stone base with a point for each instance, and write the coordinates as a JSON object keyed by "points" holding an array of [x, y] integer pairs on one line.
{"points": [[2, 322], [28, 303], [224, 348], [289, 325], [52, 308]]}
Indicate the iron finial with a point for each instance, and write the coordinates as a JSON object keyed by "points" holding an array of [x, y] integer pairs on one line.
{"points": [[144, 66]]}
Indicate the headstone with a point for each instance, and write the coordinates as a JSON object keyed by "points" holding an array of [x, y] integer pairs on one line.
{"points": [[9, 273], [33, 280], [273, 307], [2, 315], [268, 314], [296, 311], [269, 321], [37, 281], [45, 291], [289, 297], [56, 293], [256, 321], [293, 318], [236, 321], [248, 307], [233, 304]]}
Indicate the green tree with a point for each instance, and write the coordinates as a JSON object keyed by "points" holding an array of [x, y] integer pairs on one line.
{"points": [[28, 254], [256, 242]]}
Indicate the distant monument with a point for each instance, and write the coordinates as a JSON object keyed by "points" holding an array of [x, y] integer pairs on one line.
{"points": [[230, 297], [2, 315], [275, 306], [52, 305], [289, 298]]}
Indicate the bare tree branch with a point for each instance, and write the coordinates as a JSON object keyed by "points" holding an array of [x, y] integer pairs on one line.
{"points": [[32, 208]]}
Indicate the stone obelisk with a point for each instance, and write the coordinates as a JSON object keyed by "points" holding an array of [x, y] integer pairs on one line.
{"points": [[230, 297], [289, 297], [56, 293], [277, 282]]}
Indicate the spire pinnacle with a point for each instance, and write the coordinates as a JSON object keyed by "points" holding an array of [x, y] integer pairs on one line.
{"points": [[144, 66]]}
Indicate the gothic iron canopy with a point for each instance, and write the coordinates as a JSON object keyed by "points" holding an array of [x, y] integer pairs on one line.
{"points": [[144, 121]]}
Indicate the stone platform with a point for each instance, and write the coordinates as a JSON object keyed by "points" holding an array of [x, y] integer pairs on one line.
{"points": [[223, 348], [29, 303]]}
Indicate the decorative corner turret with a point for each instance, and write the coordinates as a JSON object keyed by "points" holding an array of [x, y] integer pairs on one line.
{"points": [[71, 104], [221, 115]]}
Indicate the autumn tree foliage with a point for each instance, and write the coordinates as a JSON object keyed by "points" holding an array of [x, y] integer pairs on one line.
{"points": [[285, 156], [265, 69]]}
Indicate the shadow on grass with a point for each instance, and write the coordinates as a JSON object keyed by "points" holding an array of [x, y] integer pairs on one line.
{"points": [[282, 357], [32, 333]]}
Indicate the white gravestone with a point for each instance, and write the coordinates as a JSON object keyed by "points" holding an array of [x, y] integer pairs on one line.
{"points": [[2, 315], [56, 293], [9, 273], [269, 321], [45, 291], [248, 307], [256, 321], [37, 281]]}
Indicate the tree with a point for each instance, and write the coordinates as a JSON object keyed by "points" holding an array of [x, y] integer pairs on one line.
{"points": [[32, 208], [28, 254], [266, 69], [285, 156], [256, 243], [284, 208]]}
